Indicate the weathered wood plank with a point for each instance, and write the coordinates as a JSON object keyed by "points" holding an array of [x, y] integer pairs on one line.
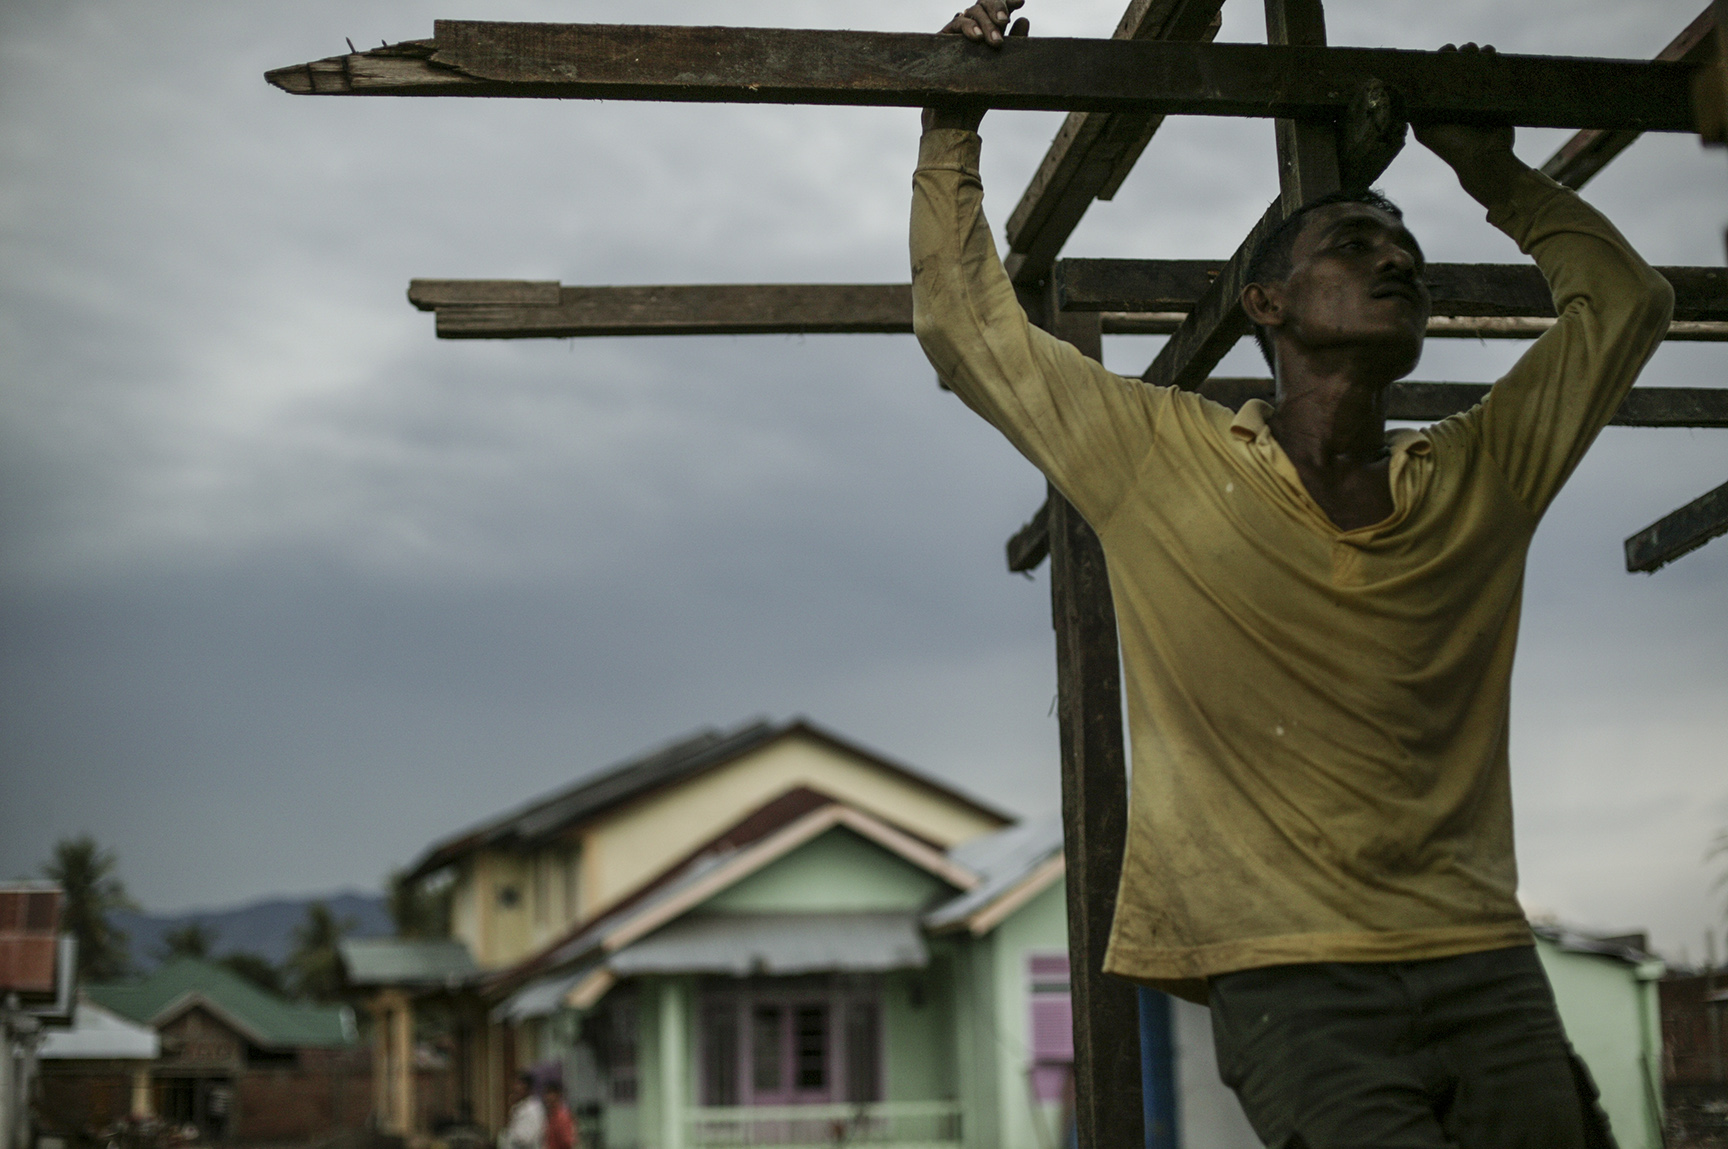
{"points": [[707, 309], [1680, 533], [543, 309], [1457, 289], [912, 69], [1094, 151], [431, 294], [1108, 1112], [1591, 150]]}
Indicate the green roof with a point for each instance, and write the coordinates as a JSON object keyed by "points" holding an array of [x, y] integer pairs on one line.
{"points": [[262, 1017]]}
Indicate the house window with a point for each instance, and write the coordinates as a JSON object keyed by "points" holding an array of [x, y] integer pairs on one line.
{"points": [[1051, 1026], [621, 1044], [802, 1044]]}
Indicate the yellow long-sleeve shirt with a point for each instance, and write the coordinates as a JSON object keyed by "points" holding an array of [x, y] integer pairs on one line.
{"points": [[1318, 716]]}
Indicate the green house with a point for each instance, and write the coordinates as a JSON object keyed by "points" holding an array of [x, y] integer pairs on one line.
{"points": [[831, 977]]}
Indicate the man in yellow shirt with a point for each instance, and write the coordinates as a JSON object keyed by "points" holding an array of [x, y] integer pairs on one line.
{"points": [[1317, 620]]}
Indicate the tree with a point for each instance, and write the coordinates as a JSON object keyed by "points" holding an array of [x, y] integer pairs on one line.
{"points": [[314, 969], [192, 940], [255, 968], [85, 872], [419, 909]]}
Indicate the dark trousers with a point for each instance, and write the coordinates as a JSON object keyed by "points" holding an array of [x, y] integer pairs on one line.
{"points": [[1453, 1053]]}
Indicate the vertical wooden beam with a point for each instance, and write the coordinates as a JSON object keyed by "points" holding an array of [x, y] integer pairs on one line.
{"points": [[1107, 1083], [1307, 149]]}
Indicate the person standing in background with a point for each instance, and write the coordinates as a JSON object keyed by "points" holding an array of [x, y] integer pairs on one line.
{"points": [[560, 1125], [526, 1128]]}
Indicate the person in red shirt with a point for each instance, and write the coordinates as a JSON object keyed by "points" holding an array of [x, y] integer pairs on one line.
{"points": [[560, 1126]]}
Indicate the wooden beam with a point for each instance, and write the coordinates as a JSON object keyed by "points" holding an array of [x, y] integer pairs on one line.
{"points": [[1155, 296], [1588, 152], [1457, 289], [911, 69], [1030, 545], [468, 311], [1307, 148], [1680, 533], [1094, 151], [1108, 1108]]}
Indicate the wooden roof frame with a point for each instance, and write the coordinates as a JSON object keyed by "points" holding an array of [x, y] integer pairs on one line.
{"points": [[1340, 119]]}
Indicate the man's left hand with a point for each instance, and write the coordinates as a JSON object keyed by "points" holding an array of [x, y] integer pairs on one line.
{"points": [[986, 22]]}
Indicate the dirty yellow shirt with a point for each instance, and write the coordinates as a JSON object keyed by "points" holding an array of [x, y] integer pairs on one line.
{"points": [[1318, 716]]}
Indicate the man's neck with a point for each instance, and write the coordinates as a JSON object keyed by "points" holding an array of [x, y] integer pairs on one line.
{"points": [[1330, 417]]}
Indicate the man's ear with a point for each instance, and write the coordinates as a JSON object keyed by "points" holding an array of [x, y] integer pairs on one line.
{"points": [[1263, 305]]}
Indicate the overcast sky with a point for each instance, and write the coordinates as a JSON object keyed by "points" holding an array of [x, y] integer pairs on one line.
{"points": [[291, 588]]}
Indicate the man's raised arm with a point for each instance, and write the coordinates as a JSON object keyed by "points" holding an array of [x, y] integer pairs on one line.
{"points": [[1613, 311], [1086, 428]]}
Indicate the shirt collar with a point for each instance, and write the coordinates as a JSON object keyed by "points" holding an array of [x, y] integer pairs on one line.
{"points": [[1249, 425]]}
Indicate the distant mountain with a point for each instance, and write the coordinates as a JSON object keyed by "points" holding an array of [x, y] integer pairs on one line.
{"points": [[265, 927]]}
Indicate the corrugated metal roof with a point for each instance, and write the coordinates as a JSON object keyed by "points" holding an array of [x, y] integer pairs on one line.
{"points": [[100, 1034], [1005, 858], [777, 944], [265, 1019], [400, 961]]}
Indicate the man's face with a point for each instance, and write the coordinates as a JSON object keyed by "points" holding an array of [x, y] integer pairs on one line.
{"points": [[1356, 281], [518, 1090]]}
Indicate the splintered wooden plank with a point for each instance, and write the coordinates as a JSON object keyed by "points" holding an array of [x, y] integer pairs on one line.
{"points": [[706, 309], [1680, 533], [1457, 289], [1588, 152], [911, 69], [1094, 151]]}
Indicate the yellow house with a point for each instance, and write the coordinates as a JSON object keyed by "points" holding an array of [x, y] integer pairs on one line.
{"points": [[525, 880], [526, 886]]}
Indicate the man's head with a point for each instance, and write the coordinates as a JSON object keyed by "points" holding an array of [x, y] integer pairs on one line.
{"points": [[553, 1092], [1341, 270], [522, 1086]]}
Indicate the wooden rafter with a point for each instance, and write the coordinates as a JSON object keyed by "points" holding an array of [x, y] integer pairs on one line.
{"points": [[1134, 297], [1682, 532], [910, 69]]}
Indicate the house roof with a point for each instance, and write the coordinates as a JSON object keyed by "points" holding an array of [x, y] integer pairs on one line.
{"points": [[98, 1034], [262, 1018], [406, 962], [665, 766], [1017, 864], [1629, 948], [771, 832]]}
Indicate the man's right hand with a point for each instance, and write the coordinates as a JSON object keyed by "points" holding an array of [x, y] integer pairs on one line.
{"points": [[986, 22]]}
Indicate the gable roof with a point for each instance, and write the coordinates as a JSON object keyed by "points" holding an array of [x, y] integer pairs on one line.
{"points": [[665, 766], [766, 835], [1017, 865], [261, 1017]]}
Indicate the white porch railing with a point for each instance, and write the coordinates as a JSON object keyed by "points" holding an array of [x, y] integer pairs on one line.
{"points": [[895, 1124]]}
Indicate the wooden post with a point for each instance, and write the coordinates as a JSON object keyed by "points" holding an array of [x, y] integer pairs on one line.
{"points": [[1107, 1086], [1307, 149]]}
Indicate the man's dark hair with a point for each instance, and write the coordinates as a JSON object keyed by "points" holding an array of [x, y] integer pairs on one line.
{"points": [[1271, 260]]}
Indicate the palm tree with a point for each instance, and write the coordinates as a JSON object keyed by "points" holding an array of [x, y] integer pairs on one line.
{"points": [[417, 910], [85, 872], [315, 968], [191, 940]]}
